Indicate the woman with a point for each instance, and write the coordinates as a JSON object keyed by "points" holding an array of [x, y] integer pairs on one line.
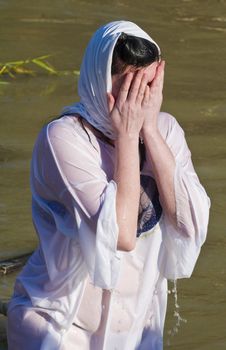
{"points": [[116, 204]]}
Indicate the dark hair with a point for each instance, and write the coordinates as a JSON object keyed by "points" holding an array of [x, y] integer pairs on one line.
{"points": [[131, 50]]}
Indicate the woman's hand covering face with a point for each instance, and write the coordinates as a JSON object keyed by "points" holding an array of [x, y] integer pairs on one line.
{"points": [[153, 99], [137, 103]]}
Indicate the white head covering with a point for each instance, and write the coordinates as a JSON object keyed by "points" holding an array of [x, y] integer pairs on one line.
{"points": [[95, 74]]}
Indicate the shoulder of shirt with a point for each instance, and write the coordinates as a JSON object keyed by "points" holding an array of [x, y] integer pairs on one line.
{"points": [[63, 125], [168, 124], [66, 128], [69, 132]]}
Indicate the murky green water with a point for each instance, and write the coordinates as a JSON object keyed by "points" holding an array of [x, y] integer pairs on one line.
{"points": [[192, 35]]}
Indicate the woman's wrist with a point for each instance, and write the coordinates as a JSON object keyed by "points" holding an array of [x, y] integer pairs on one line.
{"points": [[151, 133], [127, 138]]}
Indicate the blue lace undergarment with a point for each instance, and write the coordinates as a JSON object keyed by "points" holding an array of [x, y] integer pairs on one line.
{"points": [[150, 209]]}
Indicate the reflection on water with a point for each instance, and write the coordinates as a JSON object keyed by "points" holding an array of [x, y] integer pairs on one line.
{"points": [[192, 37]]}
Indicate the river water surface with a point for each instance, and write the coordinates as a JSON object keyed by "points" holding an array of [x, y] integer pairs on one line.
{"points": [[192, 35]]}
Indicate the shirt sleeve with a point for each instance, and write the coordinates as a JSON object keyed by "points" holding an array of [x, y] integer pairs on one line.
{"points": [[182, 242], [85, 191]]}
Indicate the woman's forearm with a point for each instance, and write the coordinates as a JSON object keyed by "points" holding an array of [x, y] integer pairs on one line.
{"points": [[127, 177], [163, 164]]}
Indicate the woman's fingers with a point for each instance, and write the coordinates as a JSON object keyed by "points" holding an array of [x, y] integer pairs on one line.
{"points": [[146, 95], [125, 87], [135, 86], [142, 88], [111, 102], [161, 73], [159, 78]]}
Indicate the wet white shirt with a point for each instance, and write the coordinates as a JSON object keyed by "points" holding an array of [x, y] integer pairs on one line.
{"points": [[73, 207]]}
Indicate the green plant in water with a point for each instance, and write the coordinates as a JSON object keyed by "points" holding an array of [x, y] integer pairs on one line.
{"points": [[22, 66], [27, 67]]}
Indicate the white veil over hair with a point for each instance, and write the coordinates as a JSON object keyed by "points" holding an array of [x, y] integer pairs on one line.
{"points": [[95, 74]]}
